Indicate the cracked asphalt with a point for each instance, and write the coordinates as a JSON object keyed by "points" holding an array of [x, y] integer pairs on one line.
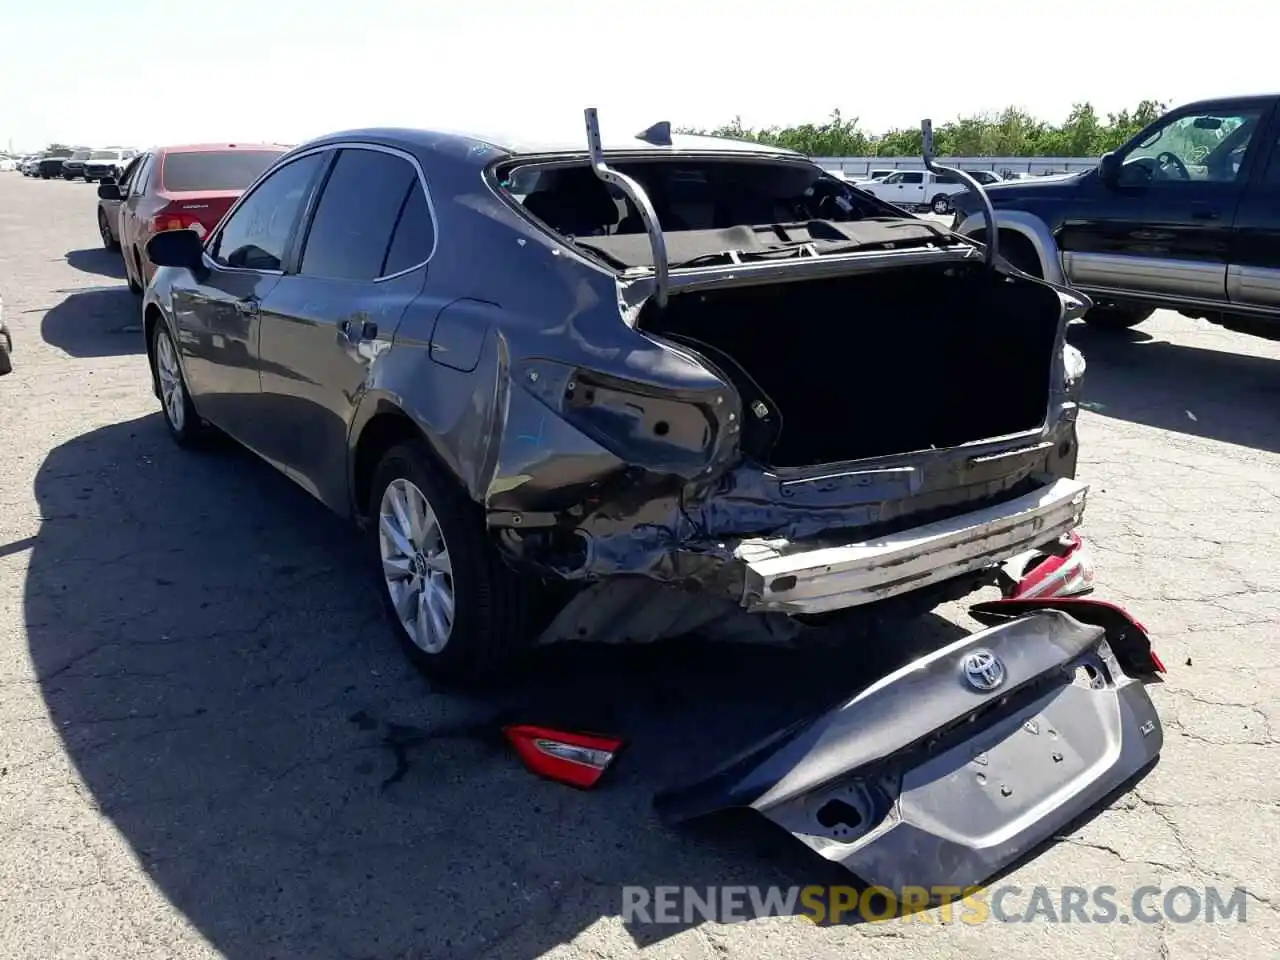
{"points": [[211, 747]]}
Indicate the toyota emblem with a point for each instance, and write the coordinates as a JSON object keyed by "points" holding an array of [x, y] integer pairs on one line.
{"points": [[983, 670]]}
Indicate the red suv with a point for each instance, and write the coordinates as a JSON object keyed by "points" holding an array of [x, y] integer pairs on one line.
{"points": [[179, 188]]}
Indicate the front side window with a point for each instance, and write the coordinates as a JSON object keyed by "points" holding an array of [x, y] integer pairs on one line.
{"points": [[1208, 148], [256, 235], [913, 178], [126, 178], [351, 232]]}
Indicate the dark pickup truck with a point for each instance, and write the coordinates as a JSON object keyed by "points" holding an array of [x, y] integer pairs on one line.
{"points": [[1185, 216]]}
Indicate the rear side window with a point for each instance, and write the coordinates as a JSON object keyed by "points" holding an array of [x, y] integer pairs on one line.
{"points": [[415, 235], [351, 233], [215, 169]]}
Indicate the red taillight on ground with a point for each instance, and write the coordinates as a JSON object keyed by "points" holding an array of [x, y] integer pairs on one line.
{"points": [[577, 759]]}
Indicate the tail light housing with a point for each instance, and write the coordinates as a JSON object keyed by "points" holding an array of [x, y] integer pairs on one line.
{"points": [[178, 220], [576, 759]]}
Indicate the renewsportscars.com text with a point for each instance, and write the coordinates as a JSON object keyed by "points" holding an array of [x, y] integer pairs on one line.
{"points": [[1003, 904]]}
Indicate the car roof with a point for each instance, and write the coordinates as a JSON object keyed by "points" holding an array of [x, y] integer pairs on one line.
{"points": [[1222, 103], [532, 145], [217, 147]]}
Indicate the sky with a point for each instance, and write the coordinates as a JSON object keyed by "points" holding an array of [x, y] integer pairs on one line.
{"points": [[148, 72]]}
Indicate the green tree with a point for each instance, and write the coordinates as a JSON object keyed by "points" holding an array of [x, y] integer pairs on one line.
{"points": [[1013, 132]]}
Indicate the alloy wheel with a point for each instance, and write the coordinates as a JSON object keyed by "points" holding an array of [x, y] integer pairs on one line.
{"points": [[416, 565], [172, 393]]}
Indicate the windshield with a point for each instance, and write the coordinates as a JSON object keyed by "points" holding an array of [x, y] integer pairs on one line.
{"points": [[215, 169], [105, 155], [81, 155]]}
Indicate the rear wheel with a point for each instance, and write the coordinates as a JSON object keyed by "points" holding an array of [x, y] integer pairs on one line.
{"points": [[1117, 318], [179, 412], [135, 285], [6, 348], [459, 612]]}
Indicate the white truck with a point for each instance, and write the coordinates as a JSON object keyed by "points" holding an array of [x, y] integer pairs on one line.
{"points": [[916, 189]]}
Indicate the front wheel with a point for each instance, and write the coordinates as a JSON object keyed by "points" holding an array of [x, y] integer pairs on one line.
{"points": [[941, 204], [104, 230], [175, 400], [458, 610], [1117, 318]]}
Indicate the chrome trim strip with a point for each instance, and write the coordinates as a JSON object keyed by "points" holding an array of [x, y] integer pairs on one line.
{"points": [[1165, 275], [1256, 286]]}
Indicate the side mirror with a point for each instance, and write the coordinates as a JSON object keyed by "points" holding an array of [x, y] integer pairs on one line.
{"points": [[177, 248], [1109, 169], [109, 190]]}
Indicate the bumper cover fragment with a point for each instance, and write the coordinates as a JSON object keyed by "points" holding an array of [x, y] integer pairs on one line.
{"points": [[926, 778]]}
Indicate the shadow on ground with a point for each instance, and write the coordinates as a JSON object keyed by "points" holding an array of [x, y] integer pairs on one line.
{"points": [[212, 654], [95, 322], [1201, 391], [99, 261]]}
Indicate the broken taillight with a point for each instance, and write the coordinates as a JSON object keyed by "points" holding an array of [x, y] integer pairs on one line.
{"points": [[577, 759]]}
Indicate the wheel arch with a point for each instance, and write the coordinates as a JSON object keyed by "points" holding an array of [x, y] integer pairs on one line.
{"points": [[381, 425], [1028, 229]]}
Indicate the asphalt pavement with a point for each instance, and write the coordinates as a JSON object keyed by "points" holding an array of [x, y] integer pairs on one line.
{"points": [[210, 746]]}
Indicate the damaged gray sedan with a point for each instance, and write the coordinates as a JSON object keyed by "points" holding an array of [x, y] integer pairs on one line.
{"points": [[621, 390]]}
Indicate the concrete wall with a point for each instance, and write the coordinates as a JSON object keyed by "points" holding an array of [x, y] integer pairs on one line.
{"points": [[858, 166]]}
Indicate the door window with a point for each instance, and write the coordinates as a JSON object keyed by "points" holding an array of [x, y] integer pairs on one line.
{"points": [[256, 235], [916, 178], [351, 234], [126, 178], [415, 237], [144, 174], [1205, 148]]}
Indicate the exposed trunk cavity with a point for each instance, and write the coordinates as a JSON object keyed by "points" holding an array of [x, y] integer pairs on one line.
{"points": [[890, 362]]}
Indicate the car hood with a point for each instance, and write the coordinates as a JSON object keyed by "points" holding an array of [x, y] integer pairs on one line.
{"points": [[1015, 193]]}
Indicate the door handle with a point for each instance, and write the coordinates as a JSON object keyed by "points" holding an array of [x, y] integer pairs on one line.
{"points": [[248, 306], [366, 331]]}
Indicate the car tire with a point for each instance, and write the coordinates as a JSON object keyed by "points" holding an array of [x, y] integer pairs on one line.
{"points": [[488, 631], [44, 176], [6, 348], [104, 229], [185, 426], [1117, 318], [940, 204], [135, 285]]}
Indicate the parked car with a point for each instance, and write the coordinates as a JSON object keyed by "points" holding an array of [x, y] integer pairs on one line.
{"points": [[6, 344], [73, 166], [1183, 216], [8, 164], [109, 206], [574, 424], [923, 189], [176, 188], [870, 175], [50, 164], [107, 163]]}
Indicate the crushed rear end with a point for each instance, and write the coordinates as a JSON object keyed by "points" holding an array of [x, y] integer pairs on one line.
{"points": [[793, 417]]}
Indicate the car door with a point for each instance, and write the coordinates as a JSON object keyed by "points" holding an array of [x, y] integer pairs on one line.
{"points": [[360, 261], [132, 210], [1253, 274], [218, 314], [905, 188], [1162, 227], [116, 208]]}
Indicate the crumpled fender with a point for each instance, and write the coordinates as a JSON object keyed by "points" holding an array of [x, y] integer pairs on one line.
{"points": [[925, 779]]}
